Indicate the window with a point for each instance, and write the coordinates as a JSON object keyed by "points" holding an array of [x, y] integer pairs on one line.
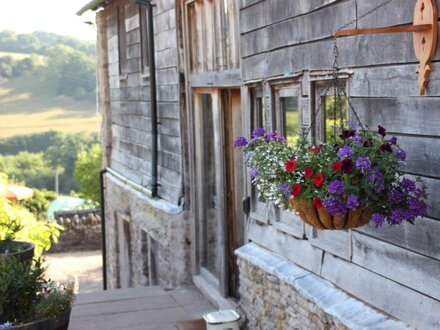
{"points": [[122, 42], [287, 112], [145, 35], [211, 35], [329, 110], [258, 116]]}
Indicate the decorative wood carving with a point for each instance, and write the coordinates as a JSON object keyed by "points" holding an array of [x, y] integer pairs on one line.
{"points": [[425, 42], [424, 29]]}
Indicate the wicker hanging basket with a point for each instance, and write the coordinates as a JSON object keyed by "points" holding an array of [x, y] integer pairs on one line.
{"points": [[321, 219]]}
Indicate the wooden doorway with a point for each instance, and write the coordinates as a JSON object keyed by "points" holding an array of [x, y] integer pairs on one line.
{"points": [[216, 121]]}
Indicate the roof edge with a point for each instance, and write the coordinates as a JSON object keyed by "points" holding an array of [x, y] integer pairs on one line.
{"points": [[92, 5]]}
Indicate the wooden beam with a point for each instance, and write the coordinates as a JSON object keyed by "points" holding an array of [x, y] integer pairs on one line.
{"points": [[386, 29]]}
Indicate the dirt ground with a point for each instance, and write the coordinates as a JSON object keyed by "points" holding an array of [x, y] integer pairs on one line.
{"points": [[83, 266]]}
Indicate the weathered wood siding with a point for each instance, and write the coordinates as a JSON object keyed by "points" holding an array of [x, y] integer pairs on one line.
{"points": [[394, 269], [130, 99]]}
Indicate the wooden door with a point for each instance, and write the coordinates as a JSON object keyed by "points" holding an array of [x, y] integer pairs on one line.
{"points": [[216, 204]]}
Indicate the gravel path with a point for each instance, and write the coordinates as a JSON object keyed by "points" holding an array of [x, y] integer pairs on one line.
{"points": [[69, 266]]}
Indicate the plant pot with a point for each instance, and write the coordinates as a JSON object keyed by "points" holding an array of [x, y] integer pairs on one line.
{"points": [[321, 219], [58, 322], [25, 254]]}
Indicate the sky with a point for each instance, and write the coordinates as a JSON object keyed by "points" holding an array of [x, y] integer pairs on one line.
{"points": [[58, 16]]}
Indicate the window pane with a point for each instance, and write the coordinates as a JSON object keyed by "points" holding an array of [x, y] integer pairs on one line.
{"points": [[291, 118], [258, 118], [211, 261], [144, 37], [334, 110]]}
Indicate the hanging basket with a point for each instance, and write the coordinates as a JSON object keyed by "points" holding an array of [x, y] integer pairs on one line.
{"points": [[321, 219]]}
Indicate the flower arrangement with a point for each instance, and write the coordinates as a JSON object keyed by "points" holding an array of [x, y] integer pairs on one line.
{"points": [[338, 185], [26, 296]]}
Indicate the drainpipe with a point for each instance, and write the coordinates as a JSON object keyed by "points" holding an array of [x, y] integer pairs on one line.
{"points": [[153, 100], [104, 245]]}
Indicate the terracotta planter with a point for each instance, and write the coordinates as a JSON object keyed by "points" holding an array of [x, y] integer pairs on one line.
{"points": [[59, 322], [321, 219], [27, 250]]}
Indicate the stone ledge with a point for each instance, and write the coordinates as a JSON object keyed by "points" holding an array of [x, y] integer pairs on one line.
{"points": [[335, 302]]}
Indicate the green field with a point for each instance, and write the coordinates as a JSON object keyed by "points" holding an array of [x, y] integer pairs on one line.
{"points": [[27, 105]]}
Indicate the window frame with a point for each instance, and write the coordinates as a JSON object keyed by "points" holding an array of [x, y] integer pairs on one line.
{"points": [[122, 42]]}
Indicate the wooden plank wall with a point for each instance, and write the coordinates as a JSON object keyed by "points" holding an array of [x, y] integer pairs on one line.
{"points": [[394, 269], [130, 95]]}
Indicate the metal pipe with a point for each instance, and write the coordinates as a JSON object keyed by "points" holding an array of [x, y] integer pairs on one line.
{"points": [[104, 246]]}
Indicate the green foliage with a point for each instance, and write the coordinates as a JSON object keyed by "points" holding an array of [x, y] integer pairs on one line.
{"points": [[19, 286], [26, 296], [73, 72], [39, 41], [32, 169], [39, 202], [37, 142], [10, 67], [55, 150], [87, 169], [17, 223]]}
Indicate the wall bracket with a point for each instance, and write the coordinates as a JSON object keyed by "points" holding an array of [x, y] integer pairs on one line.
{"points": [[424, 29]]}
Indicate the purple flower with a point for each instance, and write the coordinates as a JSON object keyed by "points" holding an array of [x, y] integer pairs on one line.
{"points": [[397, 216], [356, 139], [378, 219], [363, 163], [344, 152], [408, 185], [417, 207], [393, 140], [258, 132], [375, 177], [285, 188], [395, 196], [353, 202], [279, 137], [334, 206], [336, 187], [240, 141], [253, 172], [401, 154]]}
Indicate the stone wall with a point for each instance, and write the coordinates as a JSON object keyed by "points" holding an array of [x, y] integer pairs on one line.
{"points": [[147, 239], [82, 231], [276, 294]]}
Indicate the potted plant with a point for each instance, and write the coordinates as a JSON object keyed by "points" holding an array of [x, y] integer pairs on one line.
{"points": [[340, 185], [21, 234], [29, 301]]}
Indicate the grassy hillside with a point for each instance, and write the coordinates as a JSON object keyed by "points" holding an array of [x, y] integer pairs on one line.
{"points": [[28, 106], [20, 56]]}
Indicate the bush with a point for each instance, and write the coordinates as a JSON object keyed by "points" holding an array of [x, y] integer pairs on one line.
{"points": [[17, 223]]}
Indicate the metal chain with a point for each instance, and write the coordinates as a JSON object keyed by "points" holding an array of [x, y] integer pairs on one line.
{"points": [[337, 84], [367, 13]]}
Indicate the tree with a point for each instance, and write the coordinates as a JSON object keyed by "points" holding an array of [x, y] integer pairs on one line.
{"points": [[87, 167], [31, 169]]}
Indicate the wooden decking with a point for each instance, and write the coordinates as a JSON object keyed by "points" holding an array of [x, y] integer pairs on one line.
{"points": [[144, 308]]}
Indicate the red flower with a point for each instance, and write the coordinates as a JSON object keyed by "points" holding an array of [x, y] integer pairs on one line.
{"points": [[347, 165], [308, 172], [386, 147], [296, 189], [291, 165], [337, 167], [318, 180], [315, 151], [317, 202], [382, 131]]}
